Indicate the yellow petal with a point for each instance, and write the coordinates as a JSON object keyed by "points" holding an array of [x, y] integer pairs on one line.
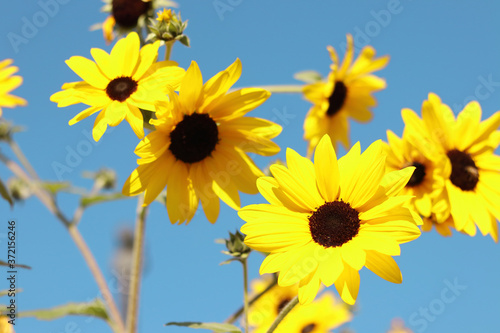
{"points": [[125, 54], [238, 103], [327, 171], [203, 189], [347, 285], [88, 71], [384, 266], [191, 88]]}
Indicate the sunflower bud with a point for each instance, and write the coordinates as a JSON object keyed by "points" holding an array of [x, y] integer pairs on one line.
{"points": [[236, 247], [7, 129], [168, 27], [19, 189]]}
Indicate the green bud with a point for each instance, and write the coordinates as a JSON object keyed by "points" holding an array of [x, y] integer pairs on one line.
{"points": [[236, 247]]}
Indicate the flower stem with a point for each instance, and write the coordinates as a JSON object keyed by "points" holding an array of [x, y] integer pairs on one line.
{"points": [[244, 262], [238, 312], [49, 202], [284, 89], [135, 275], [283, 313], [96, 272], [22, 158], [168, 49]]}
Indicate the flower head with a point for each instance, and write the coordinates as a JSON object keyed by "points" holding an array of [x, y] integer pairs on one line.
{"points": [[426, 184], [199, 149], [327, 220], [472, 188], [165, 15], [9, 82], [346, 93], [118, 84], [321, 316]]}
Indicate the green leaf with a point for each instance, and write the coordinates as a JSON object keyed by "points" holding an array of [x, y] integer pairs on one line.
{"points": [[94, 308], [5, 194], [3, 263], [54, 187], [184, 40], [308, 76], [96, 199], [216, 327]]}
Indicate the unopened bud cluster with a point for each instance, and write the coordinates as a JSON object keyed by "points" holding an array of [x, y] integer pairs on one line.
{"points": [[168, 27]]}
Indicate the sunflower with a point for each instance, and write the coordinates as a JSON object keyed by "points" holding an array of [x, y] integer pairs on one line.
{"points": [[473, 186], [199, 149], [127, 15], [5, 326], [327, 220], [9, 82], [347, 93], [119, 84], [322, 315], [427, 183]]}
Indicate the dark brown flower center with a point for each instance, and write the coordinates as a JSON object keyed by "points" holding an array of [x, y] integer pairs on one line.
{"points": [[309, 328], [194, 138], [337, 98], [282, 304], [121, 88], [418, 175], [127, 12], [334, 223], [464, 173]]}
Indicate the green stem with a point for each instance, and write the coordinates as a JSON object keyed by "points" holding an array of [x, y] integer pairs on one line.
{"points": [[135, 275], [49, 202], [244, 262], [22, 158], [238, 312], [284, 89], [98, 276], [168, 49], [283, 313]]}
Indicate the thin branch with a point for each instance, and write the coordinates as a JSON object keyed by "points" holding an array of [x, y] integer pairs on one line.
{"points": [[135, 275]]}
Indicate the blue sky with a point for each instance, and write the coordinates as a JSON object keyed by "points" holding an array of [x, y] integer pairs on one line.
{"points": [[448, 47]]}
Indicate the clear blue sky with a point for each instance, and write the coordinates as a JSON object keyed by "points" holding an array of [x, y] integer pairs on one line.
{"points": [[451, 48]]}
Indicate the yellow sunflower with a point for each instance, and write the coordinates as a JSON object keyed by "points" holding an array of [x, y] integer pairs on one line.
{"points": [[473, 186], [119, 84], [199, 149], [320, 316], [5, 327], [427, 184], [346, 93], [9, 82], [327, 220]]}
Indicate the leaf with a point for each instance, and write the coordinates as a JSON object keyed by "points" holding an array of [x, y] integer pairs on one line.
{"points": [[3, 263], [96, 199], [185, 40], [308, 76], [54, 187], [5, 194], [216, 327], [94, 308]]}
